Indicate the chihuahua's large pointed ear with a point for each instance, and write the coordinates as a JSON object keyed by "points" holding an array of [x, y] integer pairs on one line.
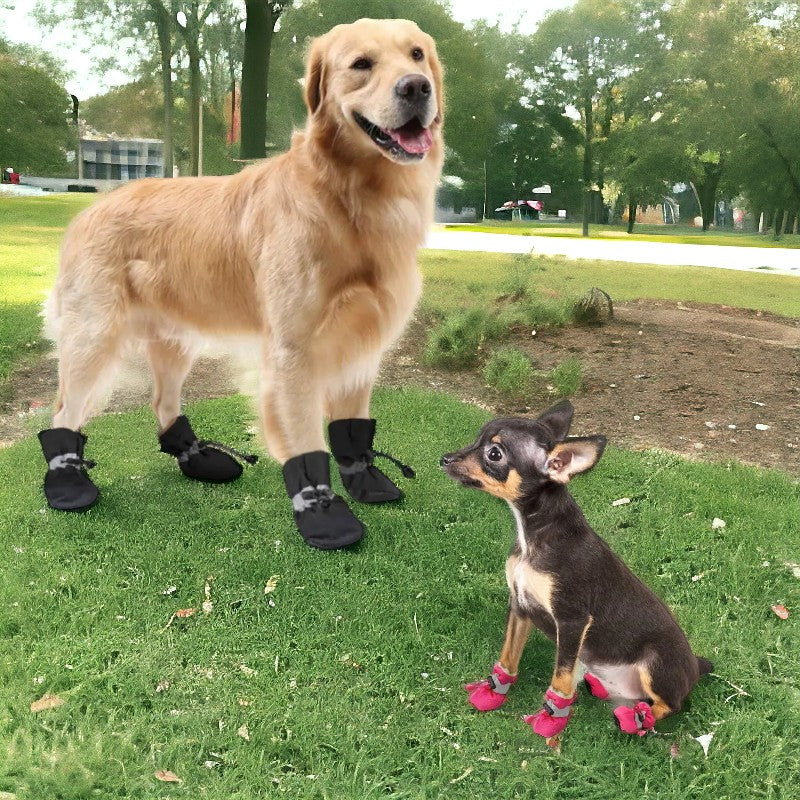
{"points": [[558, 419], [573, 456], [315, 75]]}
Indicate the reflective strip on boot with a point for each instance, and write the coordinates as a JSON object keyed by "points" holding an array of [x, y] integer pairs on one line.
{"points": [[68, 460], [496, 686], [354, 468], [308, 498]]}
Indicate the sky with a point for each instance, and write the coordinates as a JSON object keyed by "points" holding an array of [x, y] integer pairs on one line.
{"points": [[18, 26]]}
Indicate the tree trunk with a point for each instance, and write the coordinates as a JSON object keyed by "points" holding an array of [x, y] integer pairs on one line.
{"points": [[255, 71], [632, 204], [163, 24], [194, 110], [587, 163], [707, 193]]}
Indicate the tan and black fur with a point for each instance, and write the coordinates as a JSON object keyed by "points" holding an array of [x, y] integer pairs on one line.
{"points": [[564, 579]]}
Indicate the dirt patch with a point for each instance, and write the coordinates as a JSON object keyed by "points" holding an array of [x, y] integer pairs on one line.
{"points": [[707, 382]]}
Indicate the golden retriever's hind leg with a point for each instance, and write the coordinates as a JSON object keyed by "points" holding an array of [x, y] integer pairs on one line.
{"points": [[170, 363], [85, 368], [85, 365], [274, 437]]}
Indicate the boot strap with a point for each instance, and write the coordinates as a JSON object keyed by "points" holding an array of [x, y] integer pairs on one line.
{"points": [[69, 460], [363, 463], [311, 497], [197, 447]]}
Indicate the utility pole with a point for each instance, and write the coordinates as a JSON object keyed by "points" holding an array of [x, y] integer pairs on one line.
{"points": [[79, 150]]}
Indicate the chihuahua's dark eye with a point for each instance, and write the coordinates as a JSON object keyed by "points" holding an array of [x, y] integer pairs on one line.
{"points": [[362, 63], [494, 454], [417, 54]]}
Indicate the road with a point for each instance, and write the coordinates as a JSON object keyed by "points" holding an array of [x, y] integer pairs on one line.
{"points": [[769, 260]]}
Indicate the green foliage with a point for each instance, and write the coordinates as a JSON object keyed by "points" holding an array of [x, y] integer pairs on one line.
{"points": [[456, 342], [381, 636], [34, 133], [509, 371], [567, 377]]}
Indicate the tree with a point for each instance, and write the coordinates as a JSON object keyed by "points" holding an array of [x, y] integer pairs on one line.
{"points": [[262, 17], [575, 62], [143, 23], [34, 132]]}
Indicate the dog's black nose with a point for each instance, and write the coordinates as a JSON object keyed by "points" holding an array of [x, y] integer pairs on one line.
{"points": [[446, 459], [413, 88]]}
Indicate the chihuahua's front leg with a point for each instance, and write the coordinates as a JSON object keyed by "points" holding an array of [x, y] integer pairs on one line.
{"points": [[561, 694], [491, 694]]}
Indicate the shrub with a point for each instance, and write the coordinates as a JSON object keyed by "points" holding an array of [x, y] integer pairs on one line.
{"points": [[455, 343], [509, 371], [567, 378]]}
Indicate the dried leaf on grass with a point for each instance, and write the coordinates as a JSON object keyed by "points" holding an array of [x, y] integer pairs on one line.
{"points": [[704, 741], [780, 610], [271, 584], [167, 777], [244, 732], [46, 702]]}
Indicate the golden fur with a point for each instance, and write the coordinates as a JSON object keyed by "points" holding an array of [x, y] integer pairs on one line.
{"points": [[313, 252]]}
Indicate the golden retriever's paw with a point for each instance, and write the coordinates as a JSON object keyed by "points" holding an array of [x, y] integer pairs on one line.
{"points": [[201, 459], [351, 443], [67, 487], [322, 517]]}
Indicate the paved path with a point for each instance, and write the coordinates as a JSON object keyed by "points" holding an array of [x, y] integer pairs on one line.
{"points": [[771, 260]]}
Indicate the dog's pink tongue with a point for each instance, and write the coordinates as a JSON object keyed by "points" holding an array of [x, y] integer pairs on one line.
{"points": [[417, 142]]}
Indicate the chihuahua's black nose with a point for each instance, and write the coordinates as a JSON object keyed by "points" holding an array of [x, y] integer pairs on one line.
{"points": [[447, 458]]}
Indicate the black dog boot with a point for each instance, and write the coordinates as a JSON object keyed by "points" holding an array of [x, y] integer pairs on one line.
{"points": [[201, 459], [67, 487], [351, 445], [322, 517]]}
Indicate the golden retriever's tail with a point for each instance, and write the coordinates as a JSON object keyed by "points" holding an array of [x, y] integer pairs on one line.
{"points": [[51, 314]]}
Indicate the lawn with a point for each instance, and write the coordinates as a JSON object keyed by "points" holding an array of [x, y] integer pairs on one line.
{"points": [[31, 229], [671, 234], [30, 233], [344, 681], [457, 280]]}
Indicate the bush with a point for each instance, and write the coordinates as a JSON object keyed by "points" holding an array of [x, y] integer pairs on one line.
{"points": [[509, 371], [455, 343], [567, 378]]}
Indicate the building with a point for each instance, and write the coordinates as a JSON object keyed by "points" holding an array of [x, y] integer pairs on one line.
{"points": [[122, 159]]}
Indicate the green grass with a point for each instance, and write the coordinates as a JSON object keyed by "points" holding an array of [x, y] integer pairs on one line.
{"points": [[458, 280], [671, 234], [30, 233], [349, 680], [509, 371]]}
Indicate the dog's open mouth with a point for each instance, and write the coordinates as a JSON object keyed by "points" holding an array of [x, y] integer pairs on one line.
{"points": [[411, 141]]}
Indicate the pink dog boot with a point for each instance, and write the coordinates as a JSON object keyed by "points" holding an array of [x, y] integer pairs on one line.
{"points": [[491, 694], [595, 687], [554, 716], [638, 719]]}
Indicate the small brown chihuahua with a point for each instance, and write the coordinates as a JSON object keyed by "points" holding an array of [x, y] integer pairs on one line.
{"points": [[608, 627]]}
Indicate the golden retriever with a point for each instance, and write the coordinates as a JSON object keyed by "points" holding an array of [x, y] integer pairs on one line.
{"points": [[312, 251]]}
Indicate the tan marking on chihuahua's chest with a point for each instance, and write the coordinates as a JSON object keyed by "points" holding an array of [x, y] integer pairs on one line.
{"points": [[529, 586]]}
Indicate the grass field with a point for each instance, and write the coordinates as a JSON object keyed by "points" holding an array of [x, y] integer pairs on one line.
{"points": [[671, 234], [345, 681], [31, 229], [456, 280]]}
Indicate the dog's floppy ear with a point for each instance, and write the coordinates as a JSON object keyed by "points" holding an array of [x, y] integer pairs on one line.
{"points": [[315, 75], [438, 81], [573, 456], [558, 419]]}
